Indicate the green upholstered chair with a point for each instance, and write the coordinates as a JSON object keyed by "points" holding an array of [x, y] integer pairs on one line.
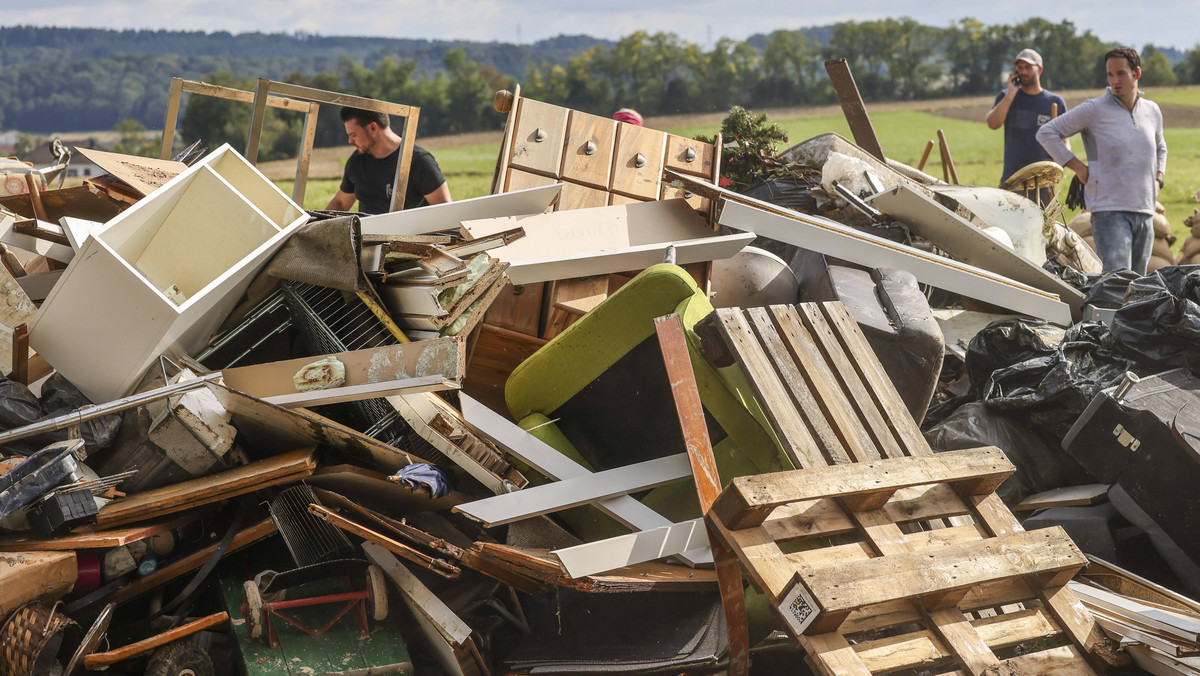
{"points": [[603, 383]]}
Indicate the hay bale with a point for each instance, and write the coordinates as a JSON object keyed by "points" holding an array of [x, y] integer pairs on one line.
{"points": [[1081, 224]]}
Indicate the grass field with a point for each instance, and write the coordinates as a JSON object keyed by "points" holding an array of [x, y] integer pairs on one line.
{"points": [[903, 131]]}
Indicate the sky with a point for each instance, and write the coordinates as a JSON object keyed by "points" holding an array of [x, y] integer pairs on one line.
{"points": [[1166, 23]]}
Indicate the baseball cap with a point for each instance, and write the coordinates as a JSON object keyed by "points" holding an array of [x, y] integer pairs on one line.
{"points": [[1029, 56]]}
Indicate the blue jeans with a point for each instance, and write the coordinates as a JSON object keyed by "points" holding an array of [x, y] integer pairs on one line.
{"points": [[1123, 239]]}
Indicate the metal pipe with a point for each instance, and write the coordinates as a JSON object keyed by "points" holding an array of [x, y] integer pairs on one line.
{"points": [[97, 410]]}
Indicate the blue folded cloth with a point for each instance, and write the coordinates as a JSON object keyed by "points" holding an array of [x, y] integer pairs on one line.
{"points": [[420, 474]]}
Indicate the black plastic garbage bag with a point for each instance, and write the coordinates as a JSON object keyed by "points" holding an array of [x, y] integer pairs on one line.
{"points": [[1068, 274], [1108, 290], [1006, 342], [1054, 389], [19, 407], [1041, 464], [1159, 324]]}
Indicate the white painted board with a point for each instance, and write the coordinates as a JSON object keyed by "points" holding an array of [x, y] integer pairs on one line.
{"points": [[834, 239], [559, 495], [550, 462]]}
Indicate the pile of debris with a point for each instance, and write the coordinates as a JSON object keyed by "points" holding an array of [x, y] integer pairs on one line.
{"points": [[610, 418]]}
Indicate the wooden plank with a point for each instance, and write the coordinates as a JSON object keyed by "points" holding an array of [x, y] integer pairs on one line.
{"points": [[102, 539], [1062, 661], [181, 566], [95, 660], [27, 576], [204, 490], [797, 440], [567, 493], [273, 429], [882, 390], [538, 141], [820, 378], [587, 158], [677, 359], [861, 387], [444, 357], [1067, 496], [802, 398], [1062, 603], [834, 239], [853, 107], [748, 500], [896, 576]]}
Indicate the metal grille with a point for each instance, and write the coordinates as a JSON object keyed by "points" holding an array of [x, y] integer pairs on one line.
{"points": [[308, 538], [328, 322]]}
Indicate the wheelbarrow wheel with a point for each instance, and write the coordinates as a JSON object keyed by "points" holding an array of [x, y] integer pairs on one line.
{"points": [[377, 599], [181, 658], [255, 618]]}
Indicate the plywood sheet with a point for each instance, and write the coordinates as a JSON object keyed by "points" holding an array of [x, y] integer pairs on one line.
{"points": [[143, 174]]}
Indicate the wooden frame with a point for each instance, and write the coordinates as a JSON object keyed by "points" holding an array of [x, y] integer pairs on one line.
{"points": [[307, 100]]}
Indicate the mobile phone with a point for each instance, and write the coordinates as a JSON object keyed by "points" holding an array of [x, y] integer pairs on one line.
{"points": [[1016, 80]]}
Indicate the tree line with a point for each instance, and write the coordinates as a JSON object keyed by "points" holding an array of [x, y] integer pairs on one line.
{"points": [[659, 73], [890, 58]]}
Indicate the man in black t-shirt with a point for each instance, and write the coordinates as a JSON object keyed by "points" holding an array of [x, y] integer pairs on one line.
{"points": [[370, 170], [1022, 108]]}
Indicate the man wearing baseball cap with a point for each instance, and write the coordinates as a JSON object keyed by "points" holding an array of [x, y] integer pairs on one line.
{"points": [[1022, 108]]}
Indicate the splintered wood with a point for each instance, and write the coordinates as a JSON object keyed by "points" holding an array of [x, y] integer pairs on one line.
{"points": [[878, 555]]}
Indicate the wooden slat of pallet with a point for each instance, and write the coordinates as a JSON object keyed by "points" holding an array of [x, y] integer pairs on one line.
{"points": [[868, 485], [816, 372], [858, 392], [923, 649], [205, 490], [797, 441], [802, 399], [685, 392], [1062, 603], [882, 389]]}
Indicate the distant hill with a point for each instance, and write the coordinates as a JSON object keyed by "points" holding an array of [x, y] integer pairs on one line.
{"points": [[88, 78]]}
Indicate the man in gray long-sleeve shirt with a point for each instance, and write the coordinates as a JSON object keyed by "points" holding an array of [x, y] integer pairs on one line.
{"points": [[1127, 158]]}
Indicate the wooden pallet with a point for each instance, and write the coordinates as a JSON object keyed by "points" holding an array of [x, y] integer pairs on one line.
{"points": [[879, 555]]}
